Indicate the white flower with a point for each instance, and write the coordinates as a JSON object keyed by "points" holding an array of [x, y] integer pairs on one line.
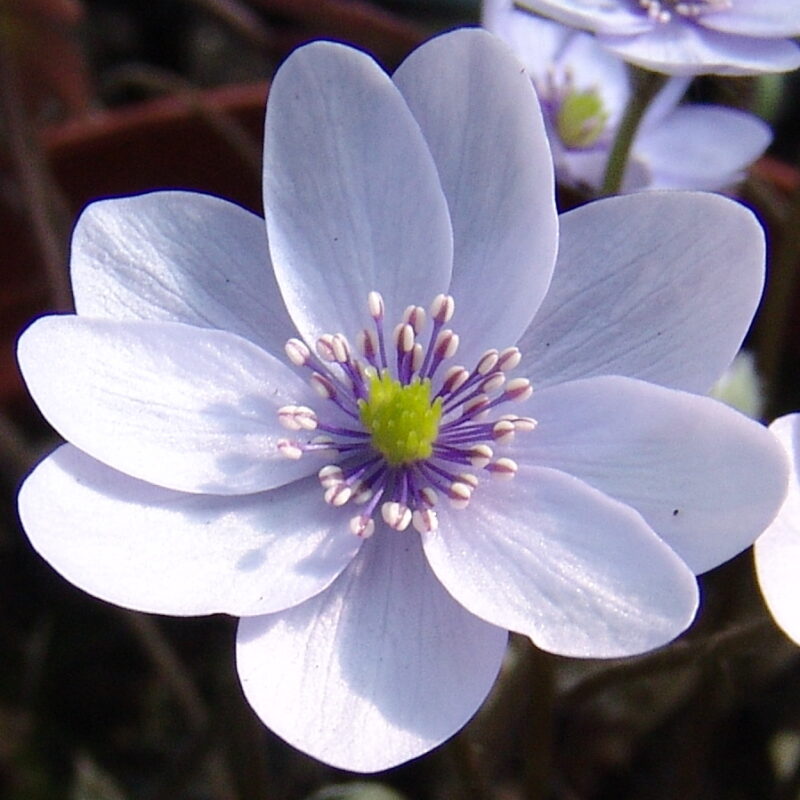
{"points": [[689, 37], [777, 550], [181, 490], [584, 90]]}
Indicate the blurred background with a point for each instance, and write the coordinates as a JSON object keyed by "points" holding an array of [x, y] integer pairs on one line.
{"points": [[111, 97]]}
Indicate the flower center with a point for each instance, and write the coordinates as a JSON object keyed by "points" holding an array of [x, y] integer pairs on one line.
{"points": [[581, 118], [399, 431], [402, 421], [662, 10]]}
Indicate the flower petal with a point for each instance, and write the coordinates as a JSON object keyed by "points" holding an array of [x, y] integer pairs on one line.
{"points": [[756, 18], [704, 477], [609, 16], [351, 194], [480, 117], [683, 48], [153, 549], [658, 286], [777, 551], [702, 147], [178, 257], [550, 557], [385, 664], [182, 407]]}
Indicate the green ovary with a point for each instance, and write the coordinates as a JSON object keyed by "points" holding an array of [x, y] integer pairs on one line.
{"points": [[581, 119], [401, 420]]}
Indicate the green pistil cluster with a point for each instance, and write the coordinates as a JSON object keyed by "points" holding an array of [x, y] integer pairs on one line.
{"points": [[581, 119], [402, 420]]}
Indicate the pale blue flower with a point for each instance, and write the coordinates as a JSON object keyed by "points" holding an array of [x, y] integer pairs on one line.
{"points": [[584, 90], [218, 370], [689, 37]]}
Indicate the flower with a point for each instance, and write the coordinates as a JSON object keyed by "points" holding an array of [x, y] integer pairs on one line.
{"points": [[688, 37], [777, 550], [194, 374], [584, 91], [740, 386]]}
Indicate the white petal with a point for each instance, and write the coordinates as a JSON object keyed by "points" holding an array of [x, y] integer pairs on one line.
{"points": [[757, 18], [702, 147], [153, 549], [658, 286], [683, 48], [550, 557], [611, 16], [777, 551], [182, 407], [378, 669], [351, 195], [704, 477], [536, 41], [481, 119], [179, 257]]}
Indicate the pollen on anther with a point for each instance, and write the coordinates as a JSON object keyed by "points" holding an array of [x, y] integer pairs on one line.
{"points": [[362, 526]]}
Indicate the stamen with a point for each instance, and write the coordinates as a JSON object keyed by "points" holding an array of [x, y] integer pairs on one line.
{"points": [[443, 308], [297, 418], [297, 352], [362, 526], [396, 515], [503, 468], [425, 520]]}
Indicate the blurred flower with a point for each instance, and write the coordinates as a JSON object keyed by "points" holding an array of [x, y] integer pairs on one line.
{"points": [[740, 386], [584, 90], [374, 616], [777, 550], [688, 37]]}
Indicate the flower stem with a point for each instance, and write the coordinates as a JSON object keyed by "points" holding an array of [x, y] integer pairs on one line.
{"points": [[646, 86]]}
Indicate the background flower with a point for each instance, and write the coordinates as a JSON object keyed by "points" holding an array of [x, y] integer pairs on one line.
{"points": [[584, 91], [724, 37], [777, 550]]}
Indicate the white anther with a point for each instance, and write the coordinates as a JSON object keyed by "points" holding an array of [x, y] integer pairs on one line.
{"points": [[415, 317], [468, 478], [425, 520], [492, 383], [341, 348], [361, 494], [289, 449], [487, 362], [442, 308], [525, 424], [396, 515], [297, 352], [446, 344], [297, 418], [417, 357], [330, 475], [404, 337], [325, 348], [503, 431], [509, 359], [503, 468], [480, 455], [429, 496], [375, 305], [472, 407], [362, 526], [367, 343], [454, 379], [518, 389], [322, 386], [337, 494], [459, 494]]}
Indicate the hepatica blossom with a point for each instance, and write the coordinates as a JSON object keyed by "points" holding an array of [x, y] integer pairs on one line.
{"points": [[584, 91], [274, 422], [777, 551], [689, 37]]}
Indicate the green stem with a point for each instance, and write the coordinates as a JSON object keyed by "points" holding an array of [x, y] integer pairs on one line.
{"points": [[646, 86]]}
